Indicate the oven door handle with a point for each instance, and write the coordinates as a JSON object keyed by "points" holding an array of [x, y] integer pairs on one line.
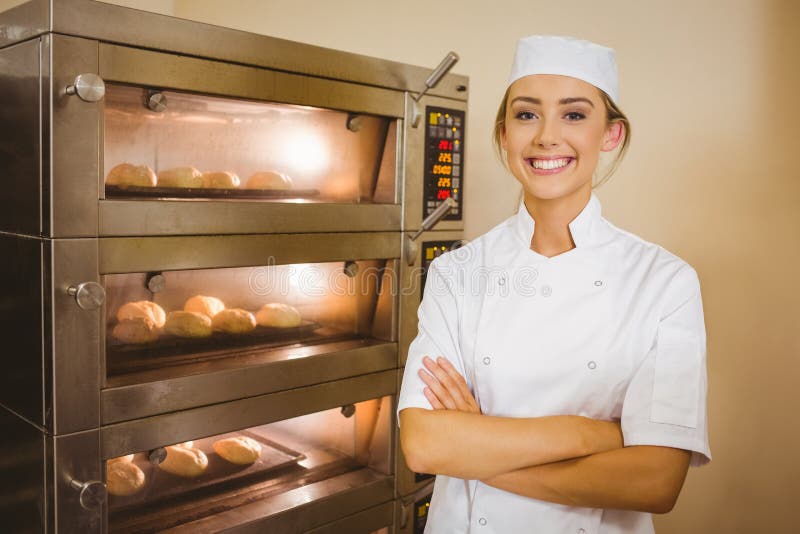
{"points": [[92, 493]]}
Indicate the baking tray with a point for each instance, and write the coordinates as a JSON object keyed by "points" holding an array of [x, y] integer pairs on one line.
{"points": [[113, 191], [220, 475], [174, 350]]}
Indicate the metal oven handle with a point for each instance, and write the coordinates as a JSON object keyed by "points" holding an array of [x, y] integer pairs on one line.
{"points": [[88, 87], [92, 493], [88, 295]]}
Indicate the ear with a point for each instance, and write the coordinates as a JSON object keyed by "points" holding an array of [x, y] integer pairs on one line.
{"points": [[613, 136]]}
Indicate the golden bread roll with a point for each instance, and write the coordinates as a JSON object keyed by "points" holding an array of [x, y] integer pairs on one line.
{"points": [[126, 174], [127, 458], [269, 180], [184, 462], [188, 324], [209, 306], [135, 330], [220, 180], [123, 478], [234, 321], [278, 314], [142, 308], [240, 450], [180, 177], [186, 444]]}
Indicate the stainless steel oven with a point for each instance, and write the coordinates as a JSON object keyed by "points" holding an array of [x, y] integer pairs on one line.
{"points": [[207, 242]]}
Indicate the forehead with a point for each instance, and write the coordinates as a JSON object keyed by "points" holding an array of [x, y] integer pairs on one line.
{"points": [[553, 87]]}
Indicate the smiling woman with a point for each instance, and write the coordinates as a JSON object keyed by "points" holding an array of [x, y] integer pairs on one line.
{"points": [[573, 401]]}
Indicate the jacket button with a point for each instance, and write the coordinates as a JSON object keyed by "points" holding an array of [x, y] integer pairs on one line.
{"points": [[482, 521], [598, 283], [581, 531], [591, 365], [546, 291], [487, 360]]}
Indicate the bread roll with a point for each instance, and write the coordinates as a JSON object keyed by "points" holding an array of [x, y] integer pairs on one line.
{"points": [[220, 180], [142, 308], [209, 306], [184, 462], [278, 314], [135, 330], [234, 321], [188, 324], [186, 444], [240, 450], [127, 458], [180, 177], [269, 180], [126, 174], [123, 478]]}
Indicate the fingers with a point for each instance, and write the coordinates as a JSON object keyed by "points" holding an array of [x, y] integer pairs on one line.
{"points": [[447, 384], [435, 404]]}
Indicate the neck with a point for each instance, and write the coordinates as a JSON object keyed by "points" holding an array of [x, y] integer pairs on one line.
{"points": [[551, 234]]}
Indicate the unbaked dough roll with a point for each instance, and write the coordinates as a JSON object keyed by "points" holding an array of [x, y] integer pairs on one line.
{"points": [[209, 306], [234, 321], [142, 308], [184, 462], [220, 180], [123, 478], [240, 450], [188, 324], [126, 174], [180, 177], [279, 315], [269, 180], [135, 330]]}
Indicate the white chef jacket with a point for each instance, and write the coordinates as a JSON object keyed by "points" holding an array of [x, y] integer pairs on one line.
{"points": [[612, 329]]}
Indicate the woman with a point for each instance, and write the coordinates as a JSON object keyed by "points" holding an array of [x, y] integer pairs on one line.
{"points": [[557, 383]]}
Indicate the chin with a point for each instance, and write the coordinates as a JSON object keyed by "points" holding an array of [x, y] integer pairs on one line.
{"points": [[550, 189]]}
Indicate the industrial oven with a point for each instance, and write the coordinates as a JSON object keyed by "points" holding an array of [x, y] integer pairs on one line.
{"points": [[214, 245]]}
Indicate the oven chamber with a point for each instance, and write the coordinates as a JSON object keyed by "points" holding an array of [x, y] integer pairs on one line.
{"points": [[318, 397]]}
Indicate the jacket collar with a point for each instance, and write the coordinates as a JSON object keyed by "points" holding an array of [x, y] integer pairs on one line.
{"points": [[586, 228]]}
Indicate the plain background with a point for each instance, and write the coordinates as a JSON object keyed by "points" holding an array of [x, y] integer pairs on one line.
{"points": [[712, 89]]}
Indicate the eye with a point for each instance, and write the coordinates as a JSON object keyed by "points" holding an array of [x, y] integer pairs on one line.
{"points": [[575, 116], [525, 115]]}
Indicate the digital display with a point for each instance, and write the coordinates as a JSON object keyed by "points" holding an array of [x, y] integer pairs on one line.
{"points": [[444, 160]]}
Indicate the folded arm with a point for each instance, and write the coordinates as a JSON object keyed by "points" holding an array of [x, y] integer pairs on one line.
{"points": [[643, 478]]}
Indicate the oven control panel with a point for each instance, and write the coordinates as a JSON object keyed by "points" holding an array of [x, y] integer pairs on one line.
{"points": [[421, 508], [444, 160]]}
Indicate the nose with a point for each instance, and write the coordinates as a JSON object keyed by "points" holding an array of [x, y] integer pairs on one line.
{"points": [[548, 134]]}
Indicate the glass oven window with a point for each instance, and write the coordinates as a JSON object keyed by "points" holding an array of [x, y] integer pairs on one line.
{"points": [[198, 317], [184, 146], [183, 482]]}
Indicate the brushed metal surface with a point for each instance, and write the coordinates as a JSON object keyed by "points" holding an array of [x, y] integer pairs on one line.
{"points": [[76, 457], [20, 138], [145, 434], [170, 217], [22, 383], [335, 502], [170, 71], [145, 254], [284, 369], [24, 21], [72, 178], [76, 338], [23, 497]]}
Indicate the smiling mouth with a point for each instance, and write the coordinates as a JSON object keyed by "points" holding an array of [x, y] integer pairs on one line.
{"points": [[549, 164]]}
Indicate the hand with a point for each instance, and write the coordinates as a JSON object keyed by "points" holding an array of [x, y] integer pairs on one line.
{"points": [[446, 388]]}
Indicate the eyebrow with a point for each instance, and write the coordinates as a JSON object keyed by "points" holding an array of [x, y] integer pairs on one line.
{"points": [[563, 101]]}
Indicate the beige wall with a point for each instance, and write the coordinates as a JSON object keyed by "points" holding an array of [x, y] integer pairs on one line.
{"points": [[713, 91]]}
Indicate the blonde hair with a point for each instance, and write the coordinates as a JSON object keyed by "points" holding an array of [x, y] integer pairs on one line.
{"points": [[612, 111]]}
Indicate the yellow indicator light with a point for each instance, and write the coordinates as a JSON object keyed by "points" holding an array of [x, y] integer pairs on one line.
{"points": [[433, 119], [455, 190], [429, 253], [454, 128], [447, 116]]}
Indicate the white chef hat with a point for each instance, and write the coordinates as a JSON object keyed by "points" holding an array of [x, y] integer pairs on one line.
{"points": [[567, 56]]}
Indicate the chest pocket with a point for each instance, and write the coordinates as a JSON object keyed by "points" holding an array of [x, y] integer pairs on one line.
{"points": [[547, 348]]}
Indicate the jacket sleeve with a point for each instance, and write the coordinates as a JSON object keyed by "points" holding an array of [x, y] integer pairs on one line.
{"points": [[665, 403], [437, 331]]}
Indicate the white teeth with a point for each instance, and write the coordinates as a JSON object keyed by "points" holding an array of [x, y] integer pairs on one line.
{"points": [[548, 164]]}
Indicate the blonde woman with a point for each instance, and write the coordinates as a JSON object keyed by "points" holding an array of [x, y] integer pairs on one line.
{"points": [[558, 382]]}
